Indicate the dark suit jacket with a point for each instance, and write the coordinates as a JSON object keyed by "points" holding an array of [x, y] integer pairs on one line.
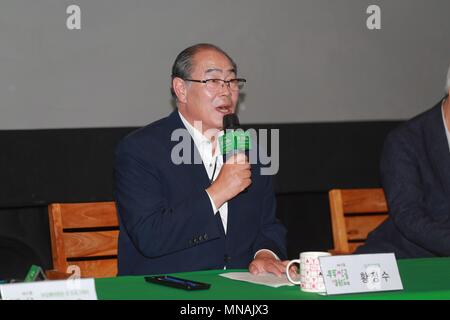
{"points": [[415, 173], [167, 223]]}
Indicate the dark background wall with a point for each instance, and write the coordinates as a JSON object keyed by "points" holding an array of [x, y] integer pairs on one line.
{"points": [[38, 167]]}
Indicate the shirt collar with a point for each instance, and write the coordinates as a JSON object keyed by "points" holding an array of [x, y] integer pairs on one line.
{"points": [[197, 136], [203, 144]]}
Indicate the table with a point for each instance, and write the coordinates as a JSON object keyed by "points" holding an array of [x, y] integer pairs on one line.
{"points": [[422, 279]]}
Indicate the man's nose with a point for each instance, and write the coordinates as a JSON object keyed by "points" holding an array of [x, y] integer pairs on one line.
{"points": [[225, 88]]}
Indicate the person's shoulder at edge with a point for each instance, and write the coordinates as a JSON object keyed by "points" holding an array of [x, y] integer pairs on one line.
{"points": [[413, 127]]}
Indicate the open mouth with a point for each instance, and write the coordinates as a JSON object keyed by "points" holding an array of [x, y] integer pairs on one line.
{"points": [[224, 109]]}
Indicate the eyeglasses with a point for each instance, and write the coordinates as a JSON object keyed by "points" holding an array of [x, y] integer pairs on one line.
{"points": [[216, 84]]}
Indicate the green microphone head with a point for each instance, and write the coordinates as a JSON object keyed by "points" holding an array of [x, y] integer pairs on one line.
{"points": [[234, 138]]}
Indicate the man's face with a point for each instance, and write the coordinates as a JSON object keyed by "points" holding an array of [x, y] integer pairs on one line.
{"points": [[205, 105]]}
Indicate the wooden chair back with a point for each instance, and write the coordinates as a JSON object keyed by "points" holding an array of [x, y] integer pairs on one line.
{"points": [[355, 213], [84, 235]]}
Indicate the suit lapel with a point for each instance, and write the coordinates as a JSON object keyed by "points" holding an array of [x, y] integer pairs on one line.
{"points": [[235, 206], [196, 171]]}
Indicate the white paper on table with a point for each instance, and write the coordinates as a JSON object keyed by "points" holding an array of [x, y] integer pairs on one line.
{"points": [[71, 289], [267, 279]]}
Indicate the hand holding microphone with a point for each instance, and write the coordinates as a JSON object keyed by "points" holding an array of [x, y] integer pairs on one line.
{"points": [[235, 175]]}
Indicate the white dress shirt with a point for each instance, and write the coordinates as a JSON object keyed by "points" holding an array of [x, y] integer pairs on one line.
{"points": [[204, 147]]}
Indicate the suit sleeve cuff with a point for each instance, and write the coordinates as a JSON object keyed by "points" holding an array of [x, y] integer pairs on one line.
{"points": [[266, 250], [212, 203]]}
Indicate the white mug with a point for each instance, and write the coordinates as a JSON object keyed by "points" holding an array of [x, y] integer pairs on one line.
{"points": [[311, 278]]}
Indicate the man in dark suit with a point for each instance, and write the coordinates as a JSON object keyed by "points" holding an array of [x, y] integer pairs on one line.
{"points": [[194, 215], [415, 173]]}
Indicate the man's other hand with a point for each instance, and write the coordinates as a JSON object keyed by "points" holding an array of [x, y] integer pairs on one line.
{"points": [[266, 262]]}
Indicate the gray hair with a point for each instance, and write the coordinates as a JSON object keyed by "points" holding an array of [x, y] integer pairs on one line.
{"points": [[182, 67]]}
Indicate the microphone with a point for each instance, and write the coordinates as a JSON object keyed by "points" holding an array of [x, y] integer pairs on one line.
{"points": [[234, 140], [231, 121]]}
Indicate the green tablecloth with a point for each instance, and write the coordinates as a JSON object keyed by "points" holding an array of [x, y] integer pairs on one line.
{"points": [[421, 278]]}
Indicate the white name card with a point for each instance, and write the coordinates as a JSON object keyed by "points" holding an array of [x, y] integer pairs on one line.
{"points": [[71, 289], [360, 273]]}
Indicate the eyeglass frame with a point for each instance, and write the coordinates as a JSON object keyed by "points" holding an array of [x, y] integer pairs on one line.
{"points": [[227, 82]]}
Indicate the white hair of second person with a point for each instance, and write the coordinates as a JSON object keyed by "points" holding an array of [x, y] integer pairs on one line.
{"points": [[448, 80]]}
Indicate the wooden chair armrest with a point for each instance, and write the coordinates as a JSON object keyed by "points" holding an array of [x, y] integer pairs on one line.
{"points": [[56, 275], [337, 252]]}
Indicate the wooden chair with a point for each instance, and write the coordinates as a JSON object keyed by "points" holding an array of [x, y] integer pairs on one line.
{"points": [[355, 213], [83, 235]]}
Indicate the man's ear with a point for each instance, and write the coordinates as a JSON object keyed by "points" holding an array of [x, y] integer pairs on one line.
{"points": [[179, 86]]}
